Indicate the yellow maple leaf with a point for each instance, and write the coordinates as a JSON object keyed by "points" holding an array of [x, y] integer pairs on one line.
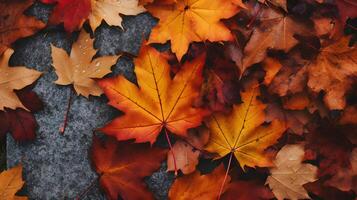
{"points": [[158, 102], [242, 133], [13, 78], [289, 175], [191, 21], [109, 10], [79, 69], [10, 182]]}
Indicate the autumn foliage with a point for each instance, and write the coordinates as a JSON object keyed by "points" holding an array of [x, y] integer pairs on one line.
{"points": [[253, 100]]}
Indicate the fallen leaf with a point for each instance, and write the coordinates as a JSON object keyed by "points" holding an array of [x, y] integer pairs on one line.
{"points": [[298, 101], [159, 101], [14, 24], [278, 3], [242, 132], [332, 147], [79, 69], [109, 10], [72, 13], [186, 157], [289, 175], [289, 80], [271, 67], [247, 190], [349, 115], [191, 21], [11, 182], [346, 179], [122, 167], [332, 72], [197, 186], [276, 32], [347, 9], [13, 78], [20, 123], [187, 152], [295, 121]]}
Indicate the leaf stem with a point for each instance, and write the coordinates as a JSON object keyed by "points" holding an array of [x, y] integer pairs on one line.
{"points": [[63, 127], [226, 175], [85, 192], [172, 150], [252, 20]]}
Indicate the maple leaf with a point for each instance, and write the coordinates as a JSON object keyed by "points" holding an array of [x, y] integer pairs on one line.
{"points": [[10, 182], [109, 10], [72, 13], [122, 167], [295, 120], [289, 175], [345, 179], [186, 158], [289, 80], [332, 146], [276, 32], [349, 115], [187, 152], [241, 132], [347, 9], [20, 123], [279, 3], [13, 78], [333, 72], [271, 67], [205, 186], [14, 24], [247, 190], [79, 69], [191, 21], [159, 101]]}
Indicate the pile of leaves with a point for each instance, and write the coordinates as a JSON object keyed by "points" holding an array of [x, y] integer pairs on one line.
{"points": [[256, 99]]}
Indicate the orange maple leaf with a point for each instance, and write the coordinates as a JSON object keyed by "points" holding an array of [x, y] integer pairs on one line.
{"points": [[191, 21], [158, 102]]}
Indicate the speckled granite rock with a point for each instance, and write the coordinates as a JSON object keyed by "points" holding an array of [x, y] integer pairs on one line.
{"points": [[58, 166]]}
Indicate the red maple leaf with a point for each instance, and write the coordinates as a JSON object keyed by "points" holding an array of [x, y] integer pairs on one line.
{"points": [[72, 13]]}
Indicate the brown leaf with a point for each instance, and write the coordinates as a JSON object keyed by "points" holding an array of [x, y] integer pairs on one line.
{"points": [[79, 69], [346, 179], [332, 72], [276, 32], [13, 78], [14, 24], [289, 175], [198, 187], [247, 190]]}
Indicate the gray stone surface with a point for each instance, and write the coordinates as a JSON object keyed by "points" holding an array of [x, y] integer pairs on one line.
{"points": [[58, 166]]}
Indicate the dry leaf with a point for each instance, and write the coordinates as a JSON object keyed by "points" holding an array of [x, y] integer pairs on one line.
{"points": [[13, 78], [198, 187], [290, 174], [191, 21], [242, 133], [333, 72], [276, 32], [14, 24], [11, 182], [122, 166], [159, 101], [346, 179], [79, 69], [109, 10]]}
